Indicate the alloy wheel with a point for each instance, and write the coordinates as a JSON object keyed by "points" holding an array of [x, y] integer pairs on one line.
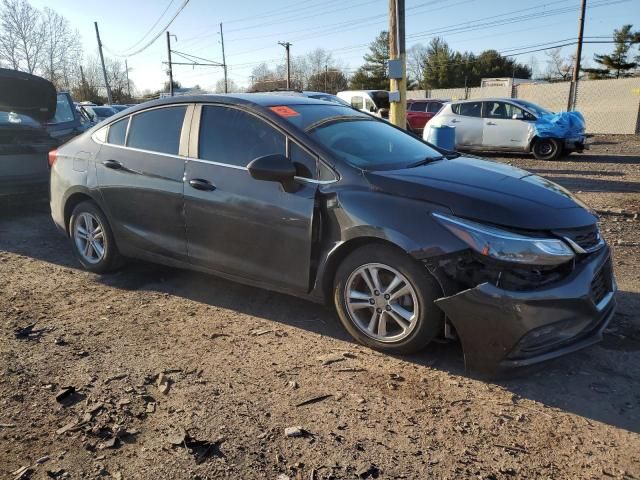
{"points": [[88, 235], [381, 302]]}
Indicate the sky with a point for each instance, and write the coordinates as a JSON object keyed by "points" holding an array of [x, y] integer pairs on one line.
{"points": [[253, 28]]}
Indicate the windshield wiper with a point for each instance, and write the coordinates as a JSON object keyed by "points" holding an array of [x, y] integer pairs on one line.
{"points": [[424, 161]]}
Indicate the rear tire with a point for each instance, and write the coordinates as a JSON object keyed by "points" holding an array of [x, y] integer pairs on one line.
{"points": [[92, 239], [385, 299], [546, 149]]}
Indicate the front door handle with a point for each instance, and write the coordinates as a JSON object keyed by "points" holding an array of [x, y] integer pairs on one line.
{"points": [[490, 123], [113, 164], [455, 121], [200, 184]]}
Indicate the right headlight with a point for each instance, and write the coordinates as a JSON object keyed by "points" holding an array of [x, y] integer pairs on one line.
{"points": [[507, 246]]}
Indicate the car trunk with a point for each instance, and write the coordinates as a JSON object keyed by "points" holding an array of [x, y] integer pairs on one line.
{"points": [[26, 101]]}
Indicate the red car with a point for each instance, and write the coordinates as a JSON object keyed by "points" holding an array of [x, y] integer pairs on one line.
{"points": [[419, 112]]}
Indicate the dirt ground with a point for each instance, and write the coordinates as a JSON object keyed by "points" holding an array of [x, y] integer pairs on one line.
{"points": [[183, 375]]}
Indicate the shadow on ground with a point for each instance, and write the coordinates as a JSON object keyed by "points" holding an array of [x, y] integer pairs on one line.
{"points": [[601, 383]]}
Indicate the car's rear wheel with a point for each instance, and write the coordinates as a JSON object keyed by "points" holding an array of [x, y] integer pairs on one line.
{"points": [[385, 299], [546, 149], [92, 238]]}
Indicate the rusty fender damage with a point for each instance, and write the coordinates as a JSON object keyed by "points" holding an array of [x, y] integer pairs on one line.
{"points": [[502, 329]]}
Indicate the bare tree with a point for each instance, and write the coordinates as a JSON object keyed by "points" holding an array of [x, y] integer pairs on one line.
{"points": [[22, 35], [416, 62], [61, 48], [232, 86], [558, 66]]}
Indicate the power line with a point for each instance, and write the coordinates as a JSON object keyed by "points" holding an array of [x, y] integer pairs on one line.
{"points": [[140, 50], [152, 27]]}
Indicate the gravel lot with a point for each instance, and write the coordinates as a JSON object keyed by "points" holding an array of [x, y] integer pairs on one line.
{"points": [[162, 359]]}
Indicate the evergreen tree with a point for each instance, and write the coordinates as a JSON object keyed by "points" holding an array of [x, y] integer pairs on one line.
{"points": [[374, 74], [617, 64]]}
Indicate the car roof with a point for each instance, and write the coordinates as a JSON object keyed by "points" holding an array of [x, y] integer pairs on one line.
{"points": [[411, 100], [488, 99], [248, 99]]}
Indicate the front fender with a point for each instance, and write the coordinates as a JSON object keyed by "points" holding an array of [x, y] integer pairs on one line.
{"points": [[405, 222], [356, 217]]}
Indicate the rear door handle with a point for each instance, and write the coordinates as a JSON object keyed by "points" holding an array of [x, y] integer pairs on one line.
{"points": [[113, 164], [200, 184], [455, 121], [490, 123]]}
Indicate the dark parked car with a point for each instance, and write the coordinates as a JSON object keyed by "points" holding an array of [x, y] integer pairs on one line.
{"points": [[98, 113], [326, 202], [419, 112], [33, 120]]}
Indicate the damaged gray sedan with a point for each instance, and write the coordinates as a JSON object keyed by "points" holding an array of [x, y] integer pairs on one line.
{"points": [[321, 201]]}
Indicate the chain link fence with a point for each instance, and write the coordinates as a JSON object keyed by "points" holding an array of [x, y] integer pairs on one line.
{"points": [[609, 106]]}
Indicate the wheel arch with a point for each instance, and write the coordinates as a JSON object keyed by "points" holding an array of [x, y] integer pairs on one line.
{"points": [[72, 200], [339, 253]]}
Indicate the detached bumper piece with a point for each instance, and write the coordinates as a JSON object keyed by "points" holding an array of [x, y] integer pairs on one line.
{"points": [[501, 329]]}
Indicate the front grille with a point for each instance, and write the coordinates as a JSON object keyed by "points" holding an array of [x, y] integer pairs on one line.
{"points": [[601, 284], [587, 238]]}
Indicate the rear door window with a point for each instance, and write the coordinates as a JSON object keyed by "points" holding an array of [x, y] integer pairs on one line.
{"points": [[234, 137], [469, 109], [157, 130], [418, 107], [118, 132]]}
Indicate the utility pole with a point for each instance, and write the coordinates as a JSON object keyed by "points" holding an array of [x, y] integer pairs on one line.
{"points": [[576, 65], [224, 61], [126, 68], [104, 70], [287, 45], [398, 110], [170, 67]]}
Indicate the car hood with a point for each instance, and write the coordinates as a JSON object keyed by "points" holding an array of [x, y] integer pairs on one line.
{"points": [[27, 95], [487, 192]]}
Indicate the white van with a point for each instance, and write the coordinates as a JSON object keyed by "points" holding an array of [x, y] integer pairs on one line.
{"points": [[370, 101]]}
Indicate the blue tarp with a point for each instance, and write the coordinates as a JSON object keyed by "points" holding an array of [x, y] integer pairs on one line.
{"points": [[559, 125]]}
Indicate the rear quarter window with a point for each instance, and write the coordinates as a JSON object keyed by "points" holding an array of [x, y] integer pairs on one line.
{"points": [[118, 132]]}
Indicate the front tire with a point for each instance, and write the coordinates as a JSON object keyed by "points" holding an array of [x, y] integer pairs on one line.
{"points": [[92, 239], [546, 149], [385, 300]]}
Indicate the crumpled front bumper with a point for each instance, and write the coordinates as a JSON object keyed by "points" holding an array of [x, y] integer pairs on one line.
{"points": [[501, 329], [576, 144]]}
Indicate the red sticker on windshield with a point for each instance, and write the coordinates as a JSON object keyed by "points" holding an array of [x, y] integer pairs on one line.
{"points": [[284, 111]]}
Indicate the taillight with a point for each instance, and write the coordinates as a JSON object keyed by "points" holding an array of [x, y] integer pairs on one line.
{"points": [[53, 155]]}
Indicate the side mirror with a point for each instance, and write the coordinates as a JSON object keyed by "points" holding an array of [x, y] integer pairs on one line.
{"points": [[518, 116], [272, 168]]}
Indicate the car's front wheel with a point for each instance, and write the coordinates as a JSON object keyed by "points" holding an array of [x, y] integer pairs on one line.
{"points": [[385, 299], [92, 239], [546, 149]]}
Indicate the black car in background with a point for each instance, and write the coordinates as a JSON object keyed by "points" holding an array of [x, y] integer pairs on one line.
{"points": [[34, 119], [329, 203]]}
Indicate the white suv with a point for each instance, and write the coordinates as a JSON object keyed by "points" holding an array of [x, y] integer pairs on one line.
{"points": [[505, 124]]}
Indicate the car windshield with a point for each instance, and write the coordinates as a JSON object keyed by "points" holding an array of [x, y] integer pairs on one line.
{"points": [[358, 138], [536, 109], [12, 118]]}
